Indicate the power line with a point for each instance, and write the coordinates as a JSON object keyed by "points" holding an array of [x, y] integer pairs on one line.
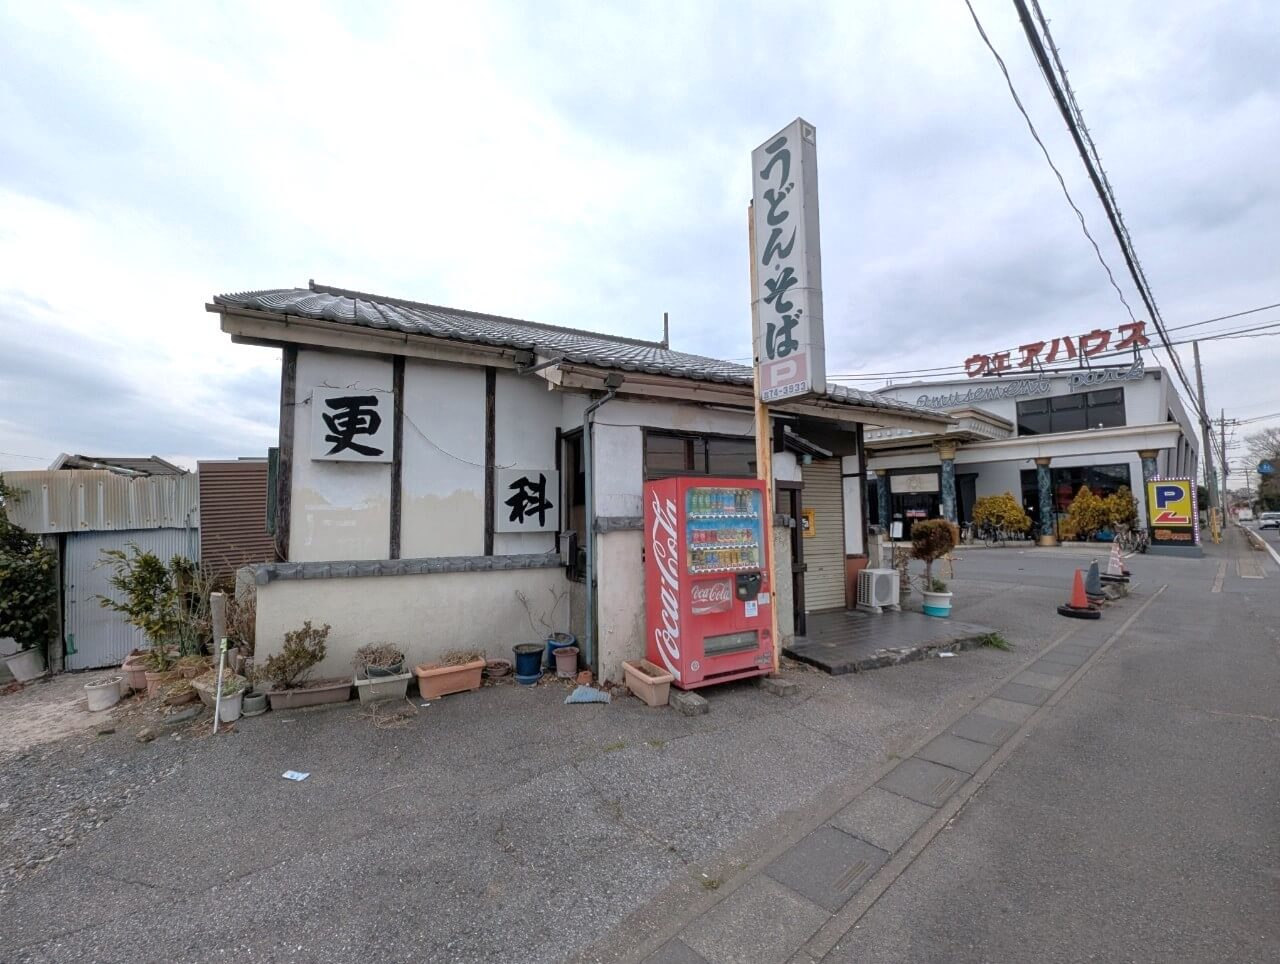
{"points": [[960, 371], [19, 455], [1064, 97], [947, 374], [1044, 150]]}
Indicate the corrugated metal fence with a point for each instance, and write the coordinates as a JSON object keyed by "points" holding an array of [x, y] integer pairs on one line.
{"points": [[95, 636], [95, 499]]}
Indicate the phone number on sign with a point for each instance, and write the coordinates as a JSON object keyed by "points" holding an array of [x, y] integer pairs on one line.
{"points": [[786, 391]]}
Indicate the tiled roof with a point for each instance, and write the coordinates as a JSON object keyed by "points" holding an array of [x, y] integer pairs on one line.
{"points": [[339, 305]]}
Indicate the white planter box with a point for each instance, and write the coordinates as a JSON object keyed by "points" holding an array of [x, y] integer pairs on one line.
{"points": [[383, 687]]}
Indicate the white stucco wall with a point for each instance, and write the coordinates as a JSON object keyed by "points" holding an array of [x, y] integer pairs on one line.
{"points": [[442, 476], [423, 615], [620, 600], [526, 414], [340, 510]]}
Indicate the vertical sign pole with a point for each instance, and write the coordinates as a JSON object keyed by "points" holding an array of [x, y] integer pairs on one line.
{"points": [[764, 450]]}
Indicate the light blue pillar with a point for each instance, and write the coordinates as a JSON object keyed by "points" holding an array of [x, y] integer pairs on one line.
{"points": [[1044, 486], [1148, 467]]}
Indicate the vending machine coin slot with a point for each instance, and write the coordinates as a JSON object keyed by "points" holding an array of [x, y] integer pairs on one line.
{"points": [[747, 585]]}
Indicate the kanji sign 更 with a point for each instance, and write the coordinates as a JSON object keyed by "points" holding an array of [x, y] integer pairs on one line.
{"points": [[351, 425]]}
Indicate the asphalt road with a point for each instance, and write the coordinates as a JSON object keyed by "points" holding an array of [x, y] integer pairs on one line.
{"points": [[1138, 821]]}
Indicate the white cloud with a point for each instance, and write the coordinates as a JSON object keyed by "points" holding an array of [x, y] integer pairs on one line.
{"points": [[585, 164]]}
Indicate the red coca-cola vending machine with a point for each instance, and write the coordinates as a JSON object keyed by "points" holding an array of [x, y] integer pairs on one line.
{"points": [[707, 591]]}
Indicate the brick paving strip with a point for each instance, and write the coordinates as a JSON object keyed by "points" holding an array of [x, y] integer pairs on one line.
{"points": [[825, 872]]}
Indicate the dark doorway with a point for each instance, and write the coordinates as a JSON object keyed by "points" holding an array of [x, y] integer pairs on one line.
{"points": [[789, 503], [913, 507], [966, 496]]}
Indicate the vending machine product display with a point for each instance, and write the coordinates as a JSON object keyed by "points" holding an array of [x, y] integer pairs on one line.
{"points": [[707, 592]]}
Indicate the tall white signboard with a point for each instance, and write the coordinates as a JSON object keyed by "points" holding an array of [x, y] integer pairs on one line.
{"points": [[787, 301]]}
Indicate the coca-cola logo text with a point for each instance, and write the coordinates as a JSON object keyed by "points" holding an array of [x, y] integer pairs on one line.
{"points": [[715, 596], [664, 544]]}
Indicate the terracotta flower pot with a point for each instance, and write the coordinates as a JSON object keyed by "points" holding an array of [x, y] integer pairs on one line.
{"points": [[649, 682], [156, 680], [434, 681], [135, 672]]}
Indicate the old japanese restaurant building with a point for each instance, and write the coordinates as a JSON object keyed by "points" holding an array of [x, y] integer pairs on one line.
{"points": [[442, 473], [1038, 434]]}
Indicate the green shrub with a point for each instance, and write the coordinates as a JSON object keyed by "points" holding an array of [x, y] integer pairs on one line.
{"points": [[28, 582], [1087, 514], [303, 649], [1002, 512]]}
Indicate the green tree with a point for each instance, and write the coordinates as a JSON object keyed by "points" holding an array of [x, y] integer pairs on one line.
{"points": [[1002, 512], [1087, 514], [28, 581], [1265, 446], [1121, 509], [153, 598]]}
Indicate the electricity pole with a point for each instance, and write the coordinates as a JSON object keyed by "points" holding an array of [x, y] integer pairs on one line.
{"points": [[1222, 429], [1207, 448], [1206, 432]]}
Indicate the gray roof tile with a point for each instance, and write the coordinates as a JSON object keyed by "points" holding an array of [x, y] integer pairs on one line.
{"points": [[339, 305]]}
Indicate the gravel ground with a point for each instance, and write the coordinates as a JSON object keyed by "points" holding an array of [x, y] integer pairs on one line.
{"points": [[54, 795]]}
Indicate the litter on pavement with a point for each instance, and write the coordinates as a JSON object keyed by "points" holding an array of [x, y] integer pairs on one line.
{"points": [[295, 775], [587, 694]]}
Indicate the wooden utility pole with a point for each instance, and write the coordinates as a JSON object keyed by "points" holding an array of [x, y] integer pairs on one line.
{"points": [[1222, 429], [764, 449]]}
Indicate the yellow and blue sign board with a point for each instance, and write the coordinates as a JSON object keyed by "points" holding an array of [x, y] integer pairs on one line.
{"points": [[1172, 514]]}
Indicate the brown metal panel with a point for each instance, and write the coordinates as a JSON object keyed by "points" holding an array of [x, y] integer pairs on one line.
{"points": [[233, 517]]}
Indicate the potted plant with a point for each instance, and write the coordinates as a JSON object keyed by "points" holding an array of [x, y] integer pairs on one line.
{"points": [[931, 540], [288, 672], [378, 659], [206, 684], [457, 671], [233, 688], [28, 595], [555, 639], [254, 702], [152, 597], [379, 673]]}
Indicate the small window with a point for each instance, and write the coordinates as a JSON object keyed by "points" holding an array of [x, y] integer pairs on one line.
{"points": [[1068, 413], [1033, 417], [731, 458], [666, 455]]}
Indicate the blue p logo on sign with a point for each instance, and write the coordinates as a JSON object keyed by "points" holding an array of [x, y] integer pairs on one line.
{"points": [[1166, 494], [1170, 503]]}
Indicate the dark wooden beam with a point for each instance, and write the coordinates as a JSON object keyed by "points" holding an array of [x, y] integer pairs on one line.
{"points": [[490, 452], [397, 453], [284, 480]]}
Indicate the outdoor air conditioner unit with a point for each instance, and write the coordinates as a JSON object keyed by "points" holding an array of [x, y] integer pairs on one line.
{"points": [[878, 590]]}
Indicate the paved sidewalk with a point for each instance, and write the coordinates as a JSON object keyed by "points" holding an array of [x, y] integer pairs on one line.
{"points": [[826, 868]]}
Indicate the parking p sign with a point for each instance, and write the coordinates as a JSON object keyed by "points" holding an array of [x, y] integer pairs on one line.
{"points": [[1172, 513]]}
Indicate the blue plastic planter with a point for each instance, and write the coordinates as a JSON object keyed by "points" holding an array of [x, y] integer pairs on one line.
{"points": [[528, 662], [941, 606], [556, 641]]}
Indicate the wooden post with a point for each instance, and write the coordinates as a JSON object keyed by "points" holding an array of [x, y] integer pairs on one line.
{"points": [[764, 449], [218, 610]]}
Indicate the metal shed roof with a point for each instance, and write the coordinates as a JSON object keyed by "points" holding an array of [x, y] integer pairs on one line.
{"points": [[357, 308]]}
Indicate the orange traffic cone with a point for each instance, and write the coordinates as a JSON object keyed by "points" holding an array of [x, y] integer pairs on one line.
{"points": [[1079, 607]]}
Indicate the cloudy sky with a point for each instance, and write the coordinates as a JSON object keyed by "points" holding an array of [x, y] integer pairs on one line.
{"points": [[587, 165]]}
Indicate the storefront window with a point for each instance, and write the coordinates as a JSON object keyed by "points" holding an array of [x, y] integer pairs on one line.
{"points": [[1102, 480], [1072, 413]]}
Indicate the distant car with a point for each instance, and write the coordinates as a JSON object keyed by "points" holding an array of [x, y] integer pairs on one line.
{"points": [[1269, 520]]}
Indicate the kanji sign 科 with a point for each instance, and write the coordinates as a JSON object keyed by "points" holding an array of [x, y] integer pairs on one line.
{"points": [[787, 300], [1064, 349], [527, 500], [351, 425]]}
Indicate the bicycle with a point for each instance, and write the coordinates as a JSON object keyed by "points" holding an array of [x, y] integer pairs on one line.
{"points": [[1132, 540], [993, 535]]}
